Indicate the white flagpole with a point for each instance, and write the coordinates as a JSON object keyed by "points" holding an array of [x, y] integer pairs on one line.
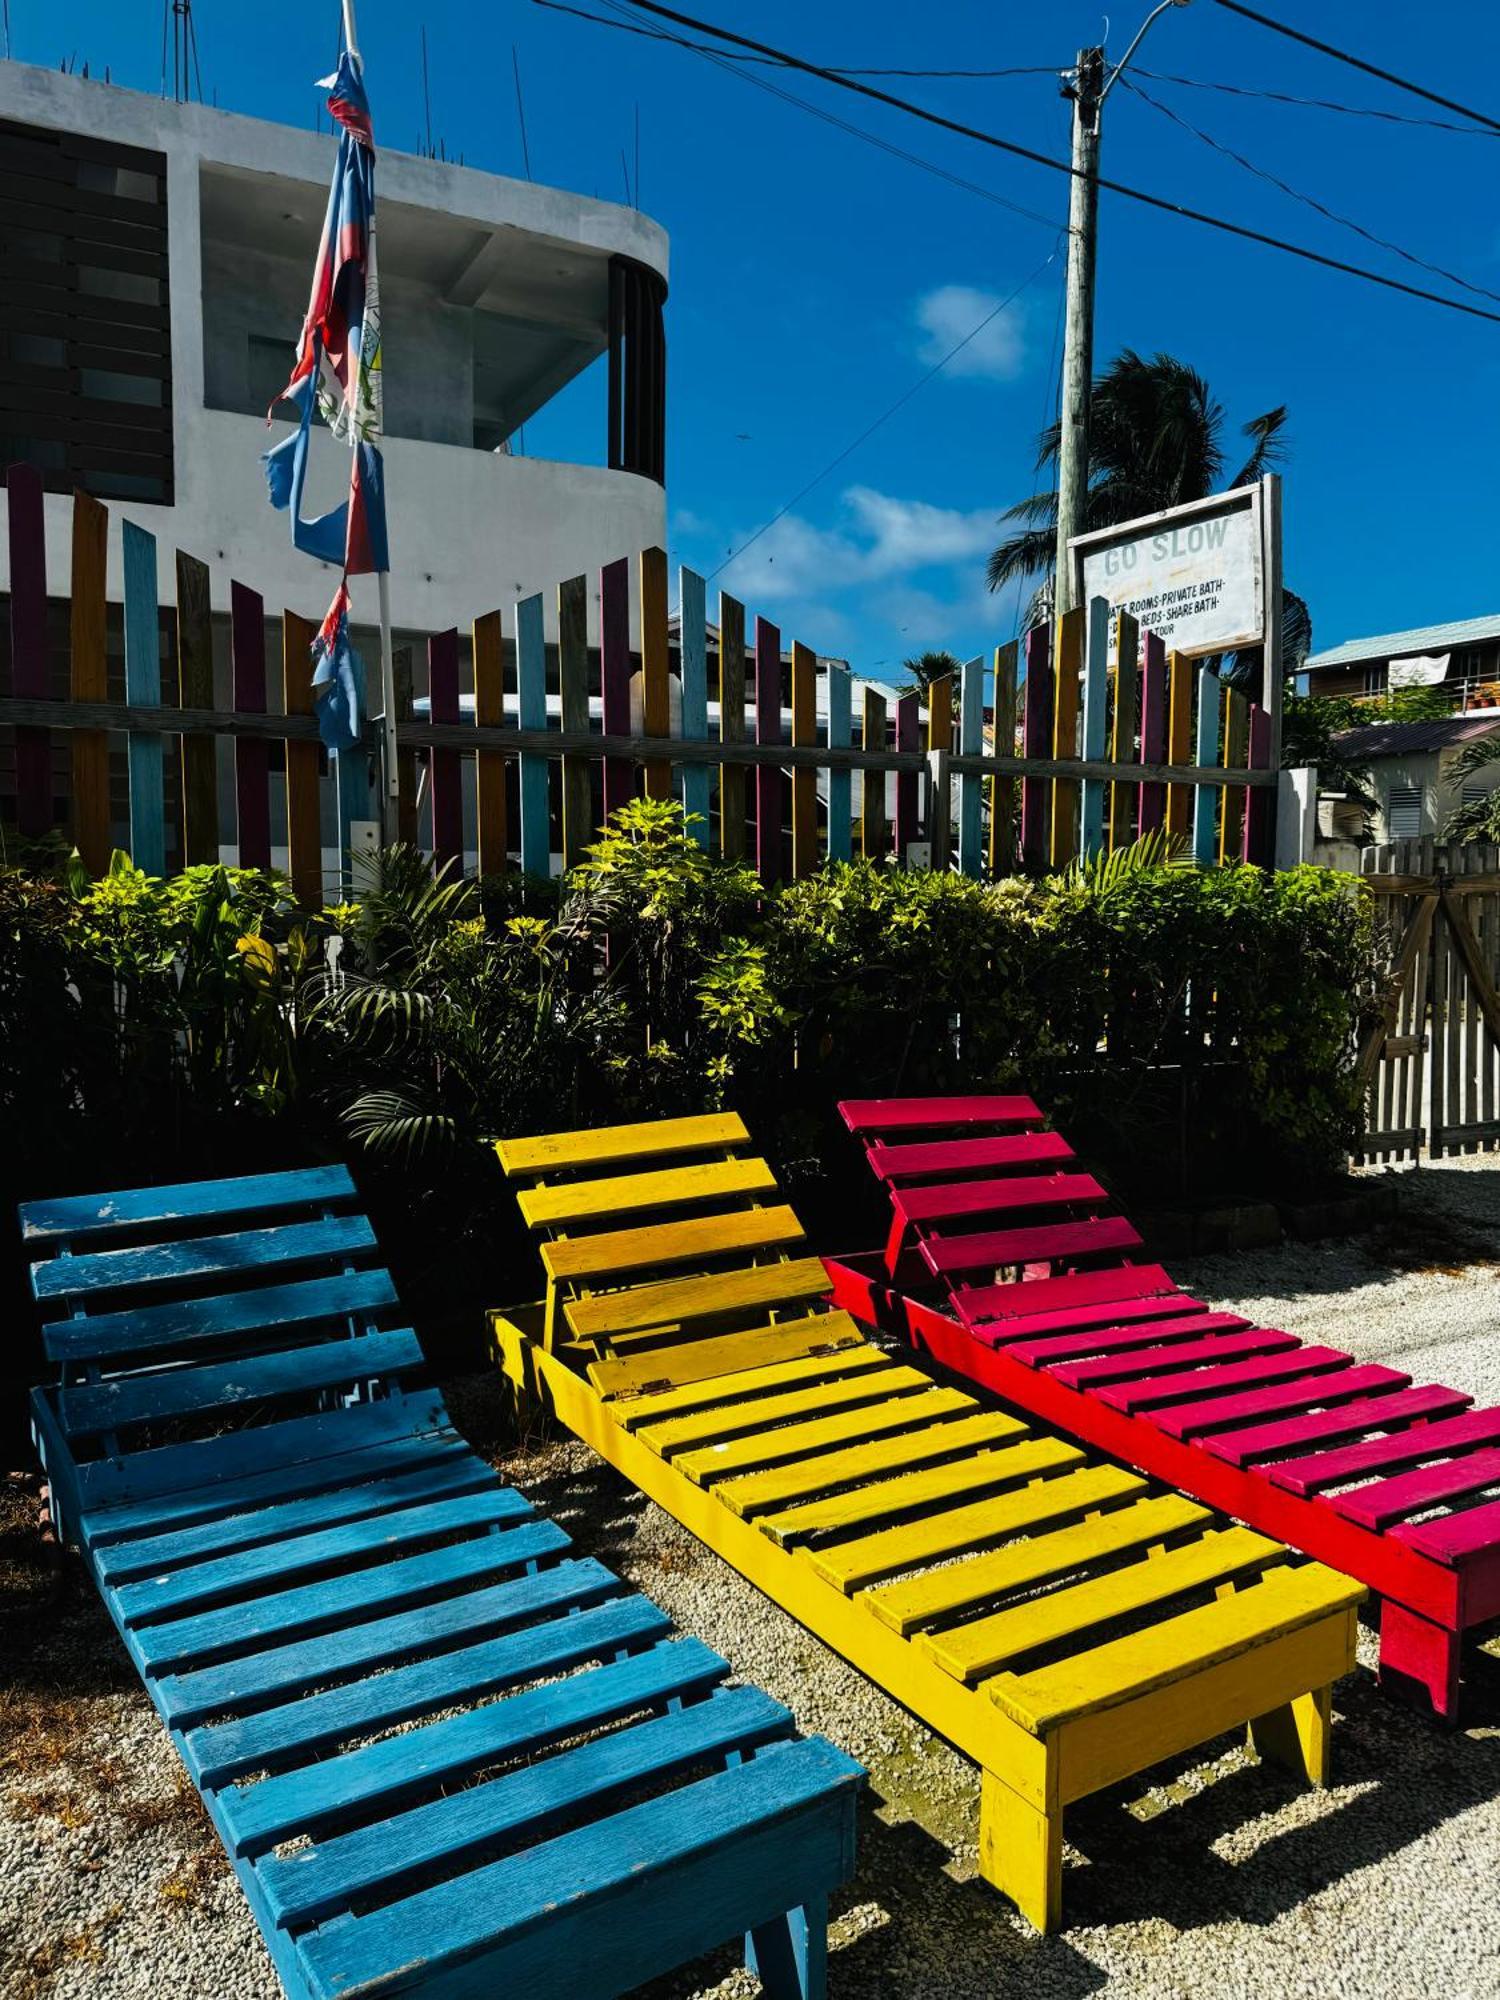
{"points": [[383, 583]]}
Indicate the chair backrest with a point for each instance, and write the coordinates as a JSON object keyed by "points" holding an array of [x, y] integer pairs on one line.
{"points": [[185, 1310]]}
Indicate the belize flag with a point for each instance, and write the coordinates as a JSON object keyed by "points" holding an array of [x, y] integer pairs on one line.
{"points": [[337, 368]]}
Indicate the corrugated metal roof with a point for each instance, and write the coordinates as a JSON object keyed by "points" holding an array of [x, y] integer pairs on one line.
{"points": [[1423, 639], [1402, 739]]}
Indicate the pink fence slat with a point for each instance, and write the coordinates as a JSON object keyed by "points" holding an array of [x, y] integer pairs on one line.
{"points": [[614, 670], [768, 836], [446, 781], [1036, 741], [252, 761], [28, 645], [1260, 801], [1153, 801], [908, 826]]}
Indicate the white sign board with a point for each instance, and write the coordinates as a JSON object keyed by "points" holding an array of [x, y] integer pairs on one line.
{"points": [[1193, 575]]}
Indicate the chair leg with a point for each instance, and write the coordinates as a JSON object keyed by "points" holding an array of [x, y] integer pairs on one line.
{"points": [[1296, 1735], [1020, 1852], [1419, 1661], [789, 1955]]}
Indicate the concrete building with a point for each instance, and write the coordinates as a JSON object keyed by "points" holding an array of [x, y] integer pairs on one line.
{"points": [[1413, 780], [1461, 657], [155, 260]]}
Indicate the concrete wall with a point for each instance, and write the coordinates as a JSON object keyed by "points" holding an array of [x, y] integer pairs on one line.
{"points": [[469, 529]]}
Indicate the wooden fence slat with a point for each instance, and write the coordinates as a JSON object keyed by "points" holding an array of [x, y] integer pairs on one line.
{"points": [[731, 725], [252, 756], [406, 756], [578, 827], [970, 783], [872, 829], [1095, 731], [1206, 753], [692, 651], [1036, 741], [1259, 843], [614, 675], [304, 834], [445, 767], [1179, 740], [148, 833], [351, 793], [1236, 737], [1065, 709], [1003, 789], [1152, 801], [940, 713], [908, 789], [768, 864], [1122, 741], [26, 529], [531, 703], [491, 820], [805, 776], [87, 681], [195, 689], [840, 783], [656, 694]]}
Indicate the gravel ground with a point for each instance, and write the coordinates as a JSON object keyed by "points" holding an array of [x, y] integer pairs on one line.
{"points": [[1221, 1879]]}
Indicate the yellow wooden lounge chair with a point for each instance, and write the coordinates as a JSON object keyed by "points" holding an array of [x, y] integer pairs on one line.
{"points": [[1057, 1617]]}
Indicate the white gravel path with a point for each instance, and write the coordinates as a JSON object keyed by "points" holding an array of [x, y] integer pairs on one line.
{"points": [[1222, 1880]]}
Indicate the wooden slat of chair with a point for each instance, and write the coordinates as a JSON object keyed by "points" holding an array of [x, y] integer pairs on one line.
{"points": [[618, 1145]]}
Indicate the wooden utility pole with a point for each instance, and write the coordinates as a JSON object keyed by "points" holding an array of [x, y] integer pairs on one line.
{"points": [[1086, 88]]}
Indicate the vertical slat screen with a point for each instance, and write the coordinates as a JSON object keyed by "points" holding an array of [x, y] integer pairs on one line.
{"points": [[1095, 736], [148, 812], [908, 783], [252, 754], [491, 828], [304, 838], [1003, 788], [1179, 741], [573, 714], [195, 689], [531, 698], [445, 767], [1122, 793], [88, 681], [970, 783], [804, 776], [28, 644], [656, 700], [767, 731], [872, 783], [731, 725], [614, 672], [840, 783], [1206, 753], [692, 650], [1067, 691], [1152, 803], [1036, 741]]}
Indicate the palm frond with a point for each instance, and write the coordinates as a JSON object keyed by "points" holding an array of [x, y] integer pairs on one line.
{"points": [[1105, 872]]}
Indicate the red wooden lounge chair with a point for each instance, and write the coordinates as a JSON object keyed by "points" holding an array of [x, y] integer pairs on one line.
{"points": [[1012, 1266]]}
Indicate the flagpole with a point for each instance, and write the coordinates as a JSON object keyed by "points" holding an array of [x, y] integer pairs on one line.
{"points": [[392, 788]]}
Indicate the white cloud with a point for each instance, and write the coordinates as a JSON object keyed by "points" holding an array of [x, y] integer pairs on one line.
{"points": [[880, 537], [951, 313], [913, 534]]}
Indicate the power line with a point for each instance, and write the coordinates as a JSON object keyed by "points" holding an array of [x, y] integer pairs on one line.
{"points": [[1310, 201], [1142, 195], [885, 416], [1312, 103], [724, 61], [1359, 63]]}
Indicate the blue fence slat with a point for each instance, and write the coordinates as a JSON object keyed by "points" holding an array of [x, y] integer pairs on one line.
{"points": [[840, 783], [970, 785], [75, 1216], [1095, 723], [1206, 797], [148, 831], [697, 779], [531, 697]]}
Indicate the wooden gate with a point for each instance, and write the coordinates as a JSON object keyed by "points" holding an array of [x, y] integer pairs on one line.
{"points": [[1430, 1065]]}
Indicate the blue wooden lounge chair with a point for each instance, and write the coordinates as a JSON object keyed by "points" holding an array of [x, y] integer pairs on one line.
{"points": [[301, 1553]]}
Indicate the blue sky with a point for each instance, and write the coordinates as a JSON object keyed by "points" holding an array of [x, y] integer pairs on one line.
{"points": [[816, 277]]}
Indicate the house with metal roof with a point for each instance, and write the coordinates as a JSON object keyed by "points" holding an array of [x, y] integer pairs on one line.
{"points": [[1462, 656], [1413, 778]]}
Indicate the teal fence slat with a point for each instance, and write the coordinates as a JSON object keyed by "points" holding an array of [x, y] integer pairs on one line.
{"points": [[970, 786], [531, 683], [1206, 797], [840, 783], [697, 779], [148, 839], [1095, 722]]}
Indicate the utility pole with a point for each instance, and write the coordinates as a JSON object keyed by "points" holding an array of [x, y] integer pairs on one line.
{"points": [[1086, 87]]}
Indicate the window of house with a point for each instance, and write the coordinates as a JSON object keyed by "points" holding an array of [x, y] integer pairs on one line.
{"points": [[1404, 812], [1375, 678]]}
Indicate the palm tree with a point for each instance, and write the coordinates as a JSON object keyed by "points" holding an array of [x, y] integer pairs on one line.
{"points": [[1476, 819], [922, 669], [1156, 440]]}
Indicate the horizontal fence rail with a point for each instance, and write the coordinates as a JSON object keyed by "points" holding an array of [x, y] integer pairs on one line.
{"points": [[520, 744]]}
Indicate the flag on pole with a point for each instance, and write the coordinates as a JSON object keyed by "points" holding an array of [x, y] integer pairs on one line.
{"points": [[337, 368], [338, 677]]}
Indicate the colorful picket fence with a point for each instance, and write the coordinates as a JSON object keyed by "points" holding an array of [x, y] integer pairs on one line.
{"points": [[1024, 760]]}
